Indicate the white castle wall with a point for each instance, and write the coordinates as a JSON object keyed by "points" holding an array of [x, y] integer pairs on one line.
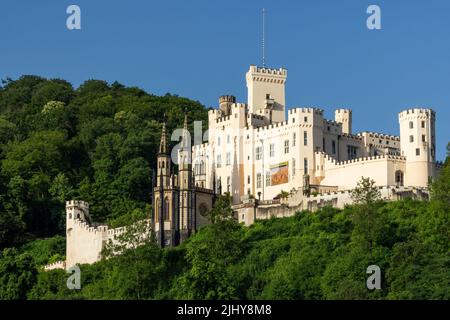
{"points": [[346, 174]]}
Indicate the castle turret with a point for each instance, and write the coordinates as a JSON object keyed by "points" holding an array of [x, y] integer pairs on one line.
{"points": [[344, 116], [418, 145], [225, 103], [185, 183], [266, 94]]}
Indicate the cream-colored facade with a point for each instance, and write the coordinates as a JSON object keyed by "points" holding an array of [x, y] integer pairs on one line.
{"points": [[259, 149]]}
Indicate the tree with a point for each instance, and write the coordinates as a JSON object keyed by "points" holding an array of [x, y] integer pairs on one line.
{"points": [[17, 274], [366, 196]]}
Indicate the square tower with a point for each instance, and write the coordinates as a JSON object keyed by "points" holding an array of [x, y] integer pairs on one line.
{"points": [[266, 92]]}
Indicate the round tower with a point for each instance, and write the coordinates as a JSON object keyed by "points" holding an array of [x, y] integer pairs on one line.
{"points": [[344, 116], [225, 103], [418, 145]]}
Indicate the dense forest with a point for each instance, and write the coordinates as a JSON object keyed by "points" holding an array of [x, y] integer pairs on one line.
{"points": [[98, 143]]}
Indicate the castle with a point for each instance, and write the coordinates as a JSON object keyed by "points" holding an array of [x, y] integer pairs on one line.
{"points": [[272, 162]]}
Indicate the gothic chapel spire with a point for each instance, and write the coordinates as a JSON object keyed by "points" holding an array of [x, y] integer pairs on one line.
{"points": [[163, 143]]}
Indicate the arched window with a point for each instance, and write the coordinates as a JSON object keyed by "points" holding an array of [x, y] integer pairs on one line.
{"points": [[157, 210], [399, 178], [166, 209]]}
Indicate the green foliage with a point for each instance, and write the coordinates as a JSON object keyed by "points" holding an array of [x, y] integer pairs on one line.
{"points": [[97, 143]]}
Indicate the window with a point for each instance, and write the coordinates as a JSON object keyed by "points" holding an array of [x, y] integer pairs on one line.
{"points": [[417, 152], [258, 180], [323, 144], [423, 138], [351, 152], [423, 124], [305, 165], [294, 138], [267, 179], [272, 150], [228, 139], [411, 138], [218, 141], [399, 178], [286, 146], [305, 138], [166, 209], [258, 153], [305, 119], [293, 167], [333, 147], [411, 125], [248, 179], [228, 184], [219, 161], [228, 158]]}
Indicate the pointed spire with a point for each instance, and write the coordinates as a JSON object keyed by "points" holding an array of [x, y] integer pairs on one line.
{"points": [[186, 135], [163, 143]]}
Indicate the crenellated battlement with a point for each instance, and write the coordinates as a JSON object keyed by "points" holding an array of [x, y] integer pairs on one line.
{"points": [[416, 112], [268, 71], [379, 135], [310, 110], [350, 136]]}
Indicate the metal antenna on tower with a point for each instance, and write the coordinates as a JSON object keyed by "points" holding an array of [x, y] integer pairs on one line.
{"points": [[264, 37]]}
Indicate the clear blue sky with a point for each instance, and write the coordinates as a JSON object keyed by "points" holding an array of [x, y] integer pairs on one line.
{"points": [[201, 49]]}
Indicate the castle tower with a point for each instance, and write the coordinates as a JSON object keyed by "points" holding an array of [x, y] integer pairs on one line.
{"points": [[344, 116], [266, 92], [161, 200], [225, 103], [418, 145], [186, 184], [77, 212]]}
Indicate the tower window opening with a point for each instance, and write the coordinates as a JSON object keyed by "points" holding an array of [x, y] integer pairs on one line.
{"points": [[411, 138], [417, 152], [423, 124], [411, 125]]}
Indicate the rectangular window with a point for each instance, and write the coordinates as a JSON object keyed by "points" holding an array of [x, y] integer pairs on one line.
{"points": [[267, 179], [305, 138], [411, 138], [305, 165], [411, 125], [417, 152], [228, 184], [258, 180], [272, 150], [423, 124], [293, 167], [294, 138], [218, 141], [258, 153], [333, 147], [228, 158], [219, 161], [248, 179], [305, 119], [286, 146], [228, 138], [423, 138]]}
